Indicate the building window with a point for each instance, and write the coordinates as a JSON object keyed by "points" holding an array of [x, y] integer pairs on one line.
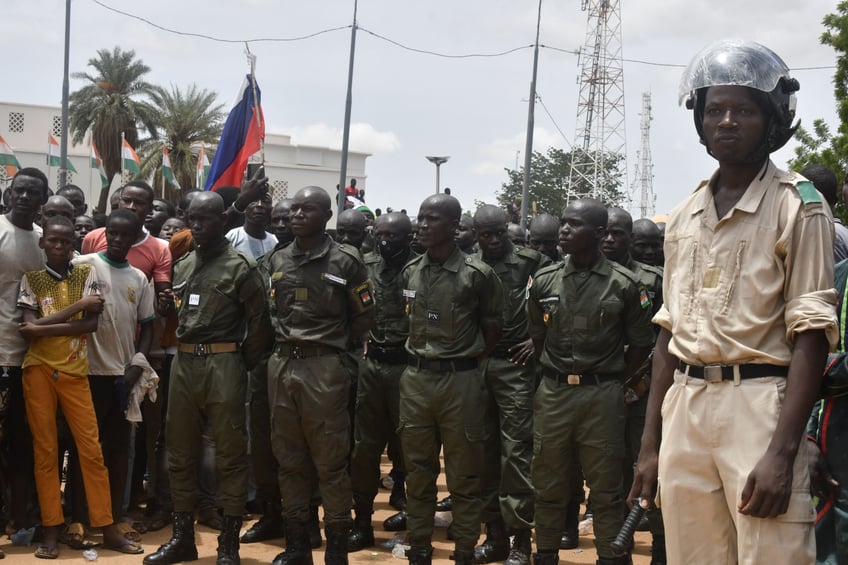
{"points": [[16, 122], [279, 190], [69, 178], [57, 126]]}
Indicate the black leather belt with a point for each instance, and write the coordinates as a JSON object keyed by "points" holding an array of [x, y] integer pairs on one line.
{"points": [[716, 373], [396, 355], [443, 365], [581, 378], [293, 351]]}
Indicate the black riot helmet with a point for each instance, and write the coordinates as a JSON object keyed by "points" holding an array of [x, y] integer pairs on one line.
{"points": [[734, 62]]}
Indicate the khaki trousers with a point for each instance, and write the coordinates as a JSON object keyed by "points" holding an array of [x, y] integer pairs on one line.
{"points": [[713, 434]]}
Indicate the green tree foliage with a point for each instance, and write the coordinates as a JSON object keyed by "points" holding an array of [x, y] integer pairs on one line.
{"points": [[550, 188], [185, 120], [114, 100]]}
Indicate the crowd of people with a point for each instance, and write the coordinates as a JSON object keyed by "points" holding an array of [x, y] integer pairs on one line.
{"points": [[271, 362]]}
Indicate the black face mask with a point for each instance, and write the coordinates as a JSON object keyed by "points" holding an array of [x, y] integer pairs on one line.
{"points": [[392, 250]]}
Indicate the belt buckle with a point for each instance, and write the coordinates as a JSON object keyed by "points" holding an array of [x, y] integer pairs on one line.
{"points": [[713, 373], [573, 379], [296, 352], [201, 349]]}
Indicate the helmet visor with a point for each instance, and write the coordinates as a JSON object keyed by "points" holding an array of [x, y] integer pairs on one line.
{"points": [[733, 62]]}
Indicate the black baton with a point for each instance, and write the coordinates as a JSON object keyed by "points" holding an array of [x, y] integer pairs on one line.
{"points": [[623, 540]]}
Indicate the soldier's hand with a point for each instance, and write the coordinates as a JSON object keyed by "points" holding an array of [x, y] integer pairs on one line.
{"points": [[822, 482], [165, 302], [645, 478], [768, 488], [522, 352]]}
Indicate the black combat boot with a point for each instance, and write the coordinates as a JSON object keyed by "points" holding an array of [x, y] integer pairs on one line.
{"points": [[269, 526], [181, 545], [570, 537], [463, 557], [620, 560], [520, 552], [420, 555], [445, 504], [546, 558], [337, 534], [395, 522], [362, 533], [297, 550], [658, 551], [314, 528], [496, 545], [228, 541]]}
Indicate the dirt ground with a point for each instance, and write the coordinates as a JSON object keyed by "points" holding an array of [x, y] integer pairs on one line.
{"points": [[257, 553]]}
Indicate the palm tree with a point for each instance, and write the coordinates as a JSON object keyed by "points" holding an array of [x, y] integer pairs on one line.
{"points": [[186, 120], [111, 103]]}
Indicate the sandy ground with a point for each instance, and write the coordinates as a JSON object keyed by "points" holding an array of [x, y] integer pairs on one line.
{"points": [[264, 552]]}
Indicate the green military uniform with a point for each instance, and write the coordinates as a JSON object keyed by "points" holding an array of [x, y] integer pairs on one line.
{"points": [[507, 490], [584, 317], [315, 296], [265, 469], [442, 392], [378, 394], [224, 331]]}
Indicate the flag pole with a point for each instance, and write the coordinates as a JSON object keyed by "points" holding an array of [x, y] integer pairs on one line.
{"points": [[162, 170], [90, 155], [251, 59], [49, 164], [121, 153]]}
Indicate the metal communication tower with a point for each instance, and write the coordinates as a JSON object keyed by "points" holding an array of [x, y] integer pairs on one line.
{"points": [[643, 180], [599, 153]]}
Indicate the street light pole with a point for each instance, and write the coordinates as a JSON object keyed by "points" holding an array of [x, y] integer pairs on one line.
{"points": [[438, 161], [63, 141]]}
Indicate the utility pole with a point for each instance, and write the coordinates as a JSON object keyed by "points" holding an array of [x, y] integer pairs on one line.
{"points": [[348, 101], [63, 141], [531, 121]]}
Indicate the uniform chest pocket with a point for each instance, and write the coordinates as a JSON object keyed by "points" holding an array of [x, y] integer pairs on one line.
{"points": [[216, 297], [610, 312]]}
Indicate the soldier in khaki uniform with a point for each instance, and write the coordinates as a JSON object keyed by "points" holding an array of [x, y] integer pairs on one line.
{"points": [[748, 318], [616, 247], [507, 492], [321, 300], [223, 331], [581, 313], [378, 396], [454, 302]]}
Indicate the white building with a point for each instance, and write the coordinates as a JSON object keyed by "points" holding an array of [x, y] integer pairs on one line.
{"points": [[25, 128]]}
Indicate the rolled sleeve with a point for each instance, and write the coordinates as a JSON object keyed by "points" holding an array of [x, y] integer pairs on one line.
{"points": [[813, 311]]}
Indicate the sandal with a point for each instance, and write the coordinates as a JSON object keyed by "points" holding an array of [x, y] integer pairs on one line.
{"points": [[128, 547], [73, 536], [47, 551], [128, 531]]}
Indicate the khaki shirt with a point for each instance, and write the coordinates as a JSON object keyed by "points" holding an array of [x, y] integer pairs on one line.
{"points": [[316, 294], [586, 317], [739, 289], [449, 305], [515, 270], [219, 298], [391, 327]]}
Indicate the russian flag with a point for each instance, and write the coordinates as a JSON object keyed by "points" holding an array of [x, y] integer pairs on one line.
{"points": [[239, 140]]}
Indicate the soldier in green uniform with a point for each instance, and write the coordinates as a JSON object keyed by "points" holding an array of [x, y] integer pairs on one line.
{"points": [[377, 399], [507, 491], [223, 331], [265, 470], [455, 303], [616, 247], [321, 300], [646, 244], [543, 236], [581, 314]]}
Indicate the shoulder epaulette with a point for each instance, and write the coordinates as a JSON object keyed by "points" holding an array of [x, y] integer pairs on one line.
{"points": [[808, 193], [371, 258], [631, 276], [658, 271], [549, 269], [531, 254], [350, 251]]}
